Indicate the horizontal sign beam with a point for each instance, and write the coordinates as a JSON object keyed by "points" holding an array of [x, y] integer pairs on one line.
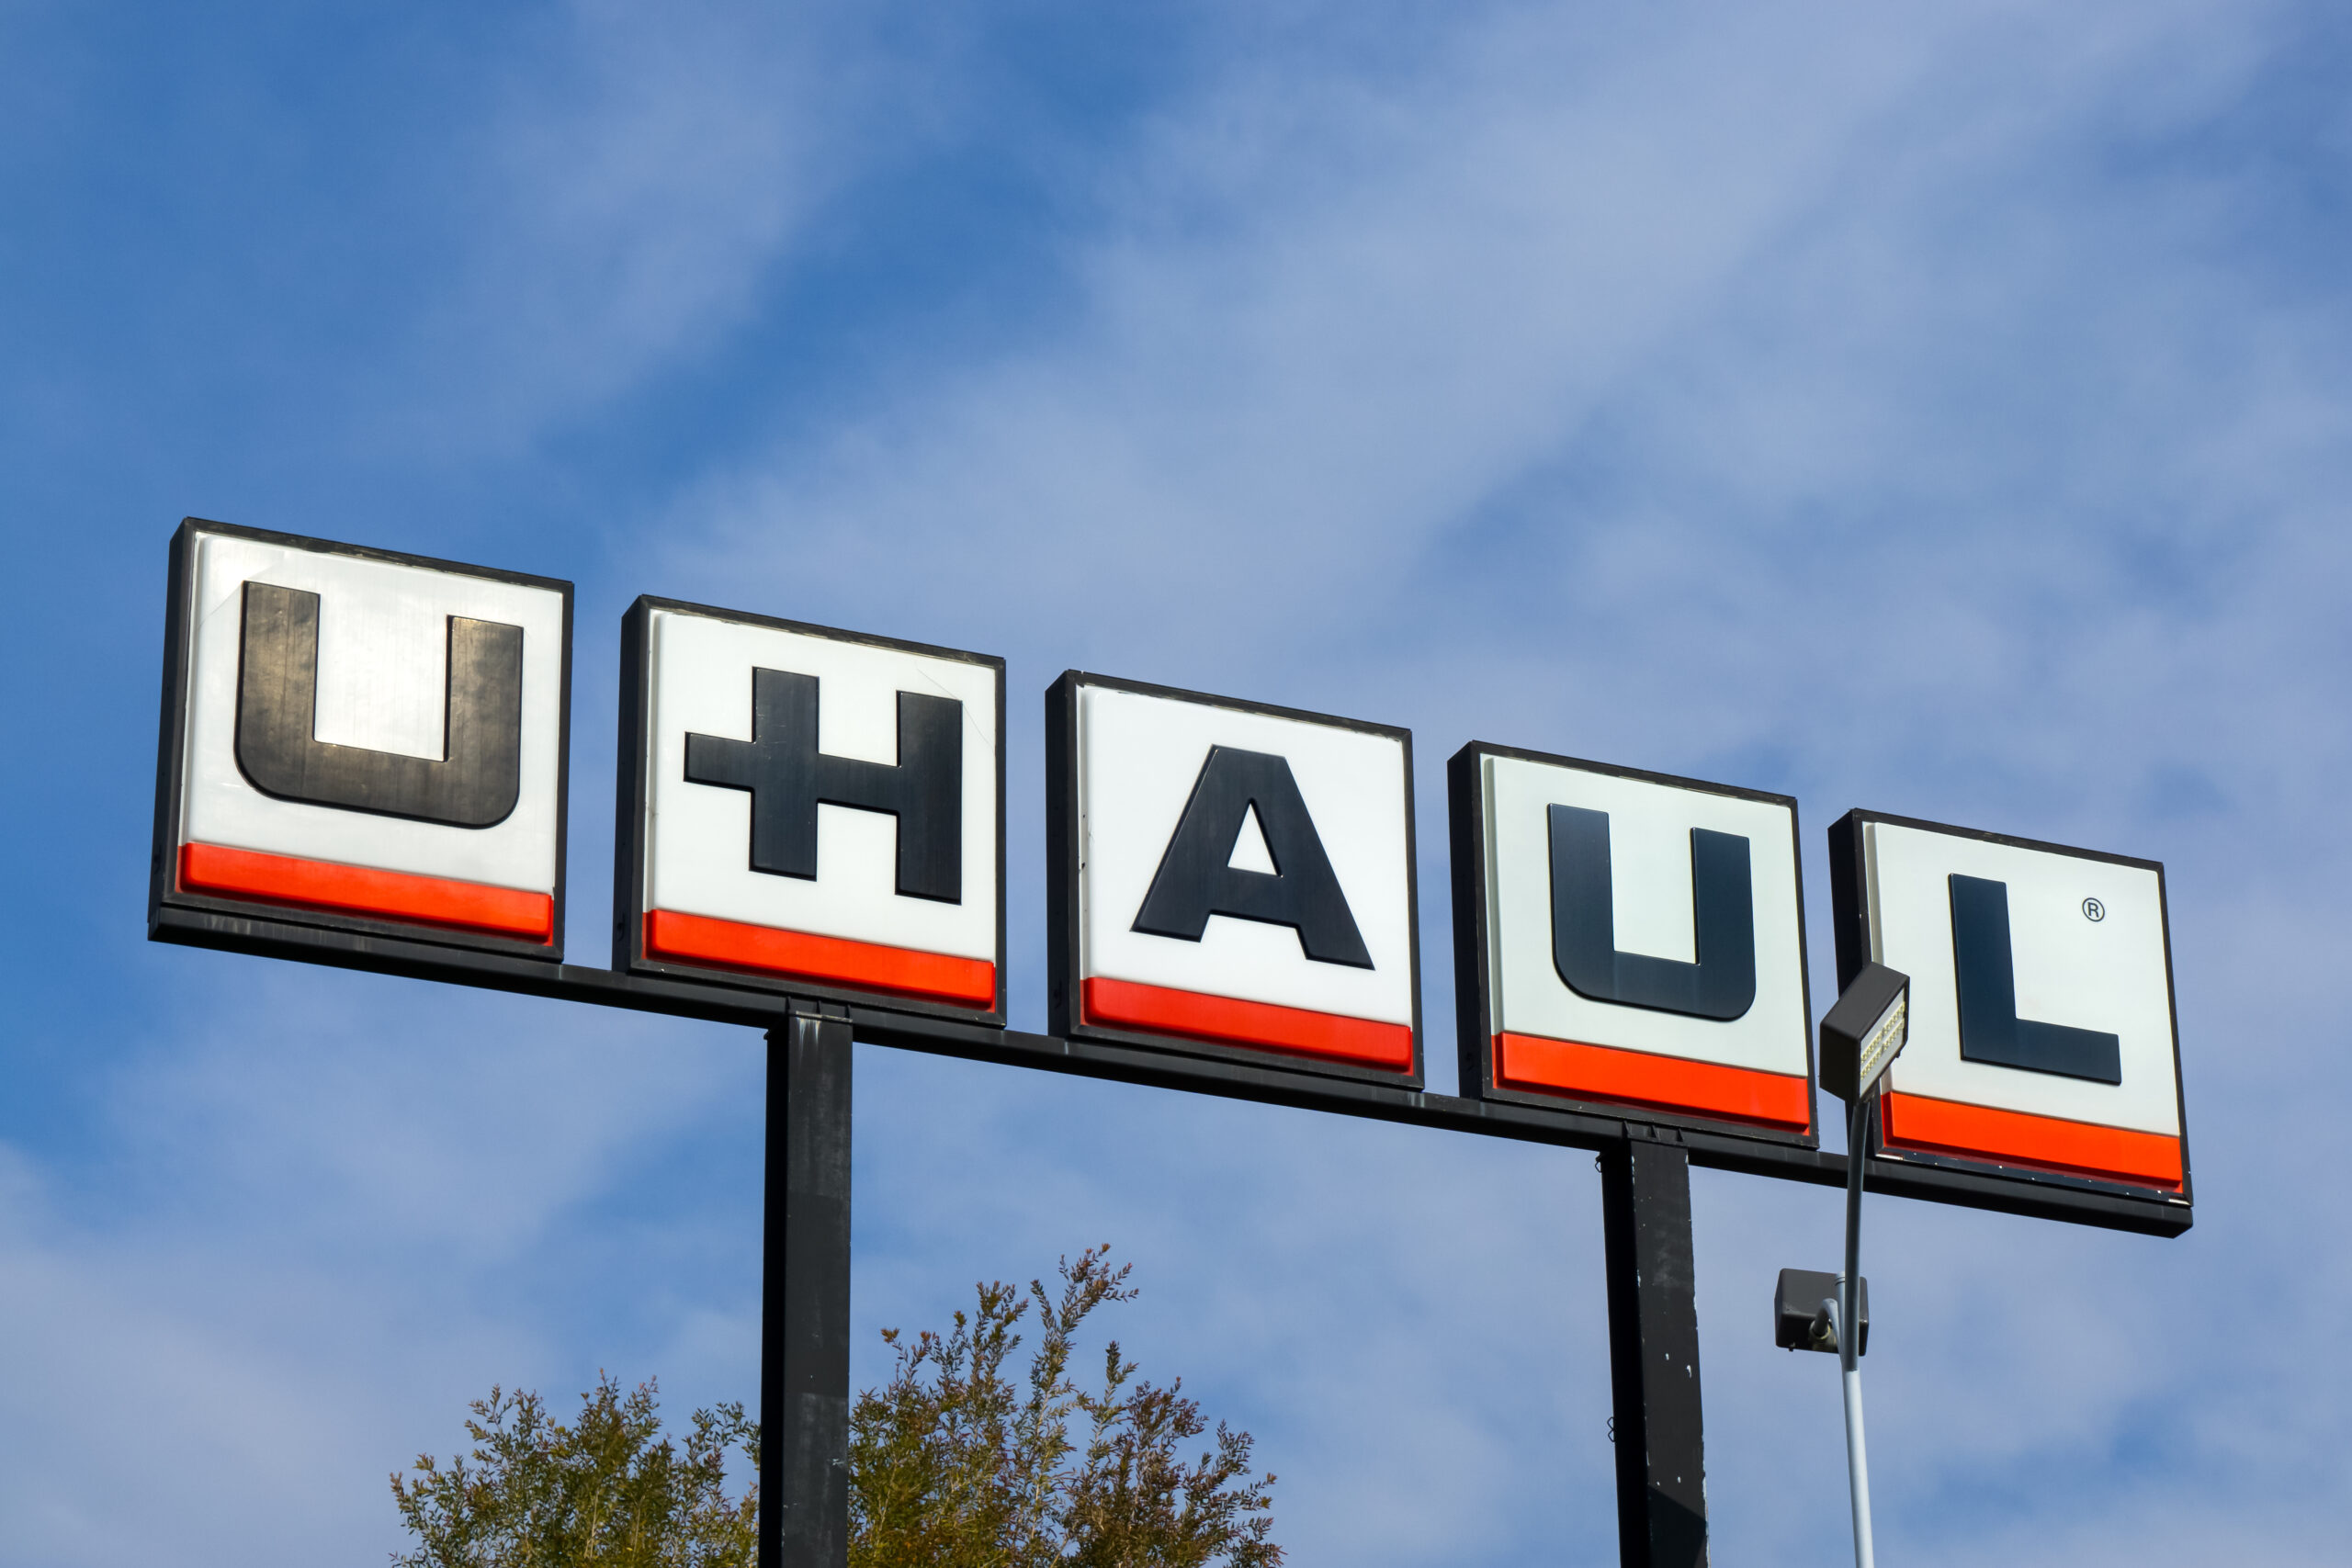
{"points": [[2086, 1204]]}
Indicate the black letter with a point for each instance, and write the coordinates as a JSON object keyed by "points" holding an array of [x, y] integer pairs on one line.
{"points": [[1196, 880], [1985, 974], [1721, 985], [790, 778], [479, 775]]}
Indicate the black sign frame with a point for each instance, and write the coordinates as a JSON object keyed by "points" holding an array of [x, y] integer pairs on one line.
{"points": [[1849, 922], [164, 895], [634, 748], [1474, 1032], [1063, 941]]}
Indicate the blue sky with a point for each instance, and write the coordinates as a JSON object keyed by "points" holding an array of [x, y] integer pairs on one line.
{"points": [[1943, 409]]}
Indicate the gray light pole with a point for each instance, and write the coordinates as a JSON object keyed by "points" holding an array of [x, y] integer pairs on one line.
{"points": [[1849, 1367], [1860, 1038]]}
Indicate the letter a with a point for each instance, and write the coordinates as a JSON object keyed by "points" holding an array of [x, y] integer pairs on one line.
{"points": [[1196, 879]]}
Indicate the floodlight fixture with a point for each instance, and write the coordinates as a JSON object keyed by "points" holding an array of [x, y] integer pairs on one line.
{"points": [[1862, 1034], [1798, 1320]]}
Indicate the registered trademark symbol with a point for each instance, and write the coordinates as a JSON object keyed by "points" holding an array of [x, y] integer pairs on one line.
{"points": [[2092, 910]]}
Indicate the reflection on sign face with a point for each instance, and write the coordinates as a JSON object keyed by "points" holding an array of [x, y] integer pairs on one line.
{"points": [[1638, 941], [818, 810], [474, 782], [370, 738], [2041, 1025], [1238, 878]]}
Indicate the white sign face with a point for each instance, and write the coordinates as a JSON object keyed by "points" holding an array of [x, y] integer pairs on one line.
{"points": [[819, 808], [370, 738], [1642, 941], [1243, 878], [2042, 1019]]}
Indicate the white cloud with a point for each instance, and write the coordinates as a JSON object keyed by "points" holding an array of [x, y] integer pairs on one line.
{"points": [[624, 194]]}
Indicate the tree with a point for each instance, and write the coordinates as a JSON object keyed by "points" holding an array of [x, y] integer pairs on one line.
{"points": [[609, 1492], [953, 1463]]}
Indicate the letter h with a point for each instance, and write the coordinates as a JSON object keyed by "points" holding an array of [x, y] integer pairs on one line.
{"points": [[788, 778]]}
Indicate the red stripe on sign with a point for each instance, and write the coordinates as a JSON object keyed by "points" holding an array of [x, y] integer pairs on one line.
{"points": [[1544, 1065], [2046, 1143], [364, 890], [1227, 1020], [802, 955]]}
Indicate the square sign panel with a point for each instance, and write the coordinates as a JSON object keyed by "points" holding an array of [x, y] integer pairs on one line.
{"points": [[810, 811], [1628, 944], [2042, 1040], [1229, 879], [362, 740]]}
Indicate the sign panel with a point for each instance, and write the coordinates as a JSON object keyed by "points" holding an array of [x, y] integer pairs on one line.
{"points": [[810, 810], [363, 740], [2042, 1036], [1629, 943], [1231, 879]]}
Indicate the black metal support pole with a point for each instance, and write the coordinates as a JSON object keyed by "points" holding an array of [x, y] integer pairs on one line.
{"points": [[1654, 1355], [804, 1310]]}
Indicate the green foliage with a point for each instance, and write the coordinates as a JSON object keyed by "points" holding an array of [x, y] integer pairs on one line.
{"points": [[607, 1492], [953, 1463]]}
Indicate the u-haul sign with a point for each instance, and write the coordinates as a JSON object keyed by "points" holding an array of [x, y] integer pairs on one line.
{"points": [[1231, 879], [362, 740], [365, 751], [2041, 1030], [812, 810], [1630, 943]]}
